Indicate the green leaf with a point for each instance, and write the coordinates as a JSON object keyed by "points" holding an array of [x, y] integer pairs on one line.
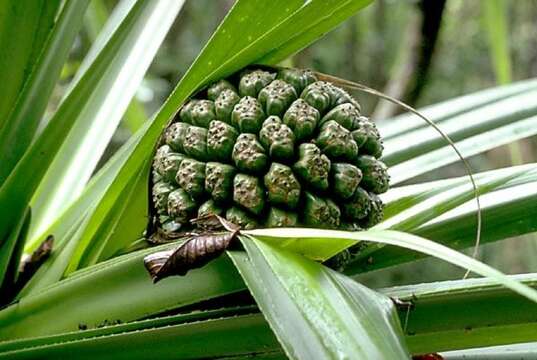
{"points": [[509, 210], [19, 187], [25, 26], [475, 122], [95, 18], [505, 352], [399, 199], [315, 312], [402, 124], [132, 203], [142, 28], [307, 30], [470, 146], [495, 16], [443, 316], [506, 213], [93, 192], [396, 238], [433, 203], [99, 30], [70, 226], [310, 246], [111, 328], [118, 289], [23, 121], [246, 335], [109, 219], [463, 314]]}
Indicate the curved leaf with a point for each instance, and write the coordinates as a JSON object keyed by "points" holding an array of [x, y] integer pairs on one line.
{"points": [[101, 292], [21, 124], [397, 238], [99, 112], [457, 193], [462, 314], [402, 124], [315, 312], [506, 213], [19, 188], [471, 123], [470, 146], [24, 29], [245, 335], [401, 198], [94, 191]]}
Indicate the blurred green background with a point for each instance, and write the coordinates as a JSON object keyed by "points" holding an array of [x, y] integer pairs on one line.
{"points": [[419, 51]]}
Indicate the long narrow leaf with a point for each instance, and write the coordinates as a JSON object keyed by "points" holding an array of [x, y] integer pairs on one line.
{"points": [[515, 201], [333, 13], [405, 206], [119, 289], [315, 312], [110, 328], [505, 352], [23, 121], [24, 28], [100, 113], [500, 113], [464, 314], [401, 198], [93, 192], [245, 335], [440, 317], [99, 26], [468, 147], [131, 204], [438, 204], [396, 238], [506, 213], [402, 124], [19, 188], [102, 28]]}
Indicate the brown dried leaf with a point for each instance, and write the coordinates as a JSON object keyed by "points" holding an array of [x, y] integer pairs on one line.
{"points": [[197, 251], [154, 262], [30, 264]]}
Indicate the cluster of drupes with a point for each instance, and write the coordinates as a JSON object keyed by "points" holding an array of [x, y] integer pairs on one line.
{"points": [[270, 149]]}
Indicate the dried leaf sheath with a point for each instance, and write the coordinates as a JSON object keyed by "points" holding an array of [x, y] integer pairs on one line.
{"points": [[30, 264], [194, 253]]}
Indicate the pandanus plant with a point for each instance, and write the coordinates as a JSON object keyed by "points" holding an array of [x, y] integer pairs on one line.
{"points": [[264, 187]]}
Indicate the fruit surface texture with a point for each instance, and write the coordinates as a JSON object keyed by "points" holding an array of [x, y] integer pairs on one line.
{"points": [[270, 148]]}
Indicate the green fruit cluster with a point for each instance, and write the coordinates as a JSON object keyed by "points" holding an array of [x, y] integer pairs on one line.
{"points": [[270, 149]]}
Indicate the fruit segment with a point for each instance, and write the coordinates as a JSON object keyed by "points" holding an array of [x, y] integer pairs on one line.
{"points": [[270, 149]]}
